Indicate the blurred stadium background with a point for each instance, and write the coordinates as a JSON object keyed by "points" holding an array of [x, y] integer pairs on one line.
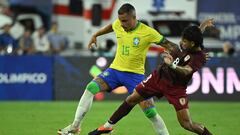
{"points": [[45, 64]]}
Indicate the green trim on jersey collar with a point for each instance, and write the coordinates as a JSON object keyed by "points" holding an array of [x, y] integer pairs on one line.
{"points": [[138, 23]]}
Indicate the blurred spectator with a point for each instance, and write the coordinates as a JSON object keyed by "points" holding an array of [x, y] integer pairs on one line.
{"points": [[4, 7], [228, 50], [26, 43], [8, 45], [16, 29], [3, 3], [40, 40], [57, 41]]}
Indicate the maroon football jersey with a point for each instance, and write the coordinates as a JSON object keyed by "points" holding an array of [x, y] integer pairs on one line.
{"points": [[194, 59]]}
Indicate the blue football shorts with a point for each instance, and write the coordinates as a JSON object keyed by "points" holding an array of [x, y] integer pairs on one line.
{"points": [[115, 78]]}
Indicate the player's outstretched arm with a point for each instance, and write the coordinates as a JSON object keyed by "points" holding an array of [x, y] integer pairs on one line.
{"points": [[168, 45], [206, 23], [203, 26], [104, 30]]}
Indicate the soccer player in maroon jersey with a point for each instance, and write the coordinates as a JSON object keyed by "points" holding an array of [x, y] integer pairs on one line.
{"points": [[170, 80]]}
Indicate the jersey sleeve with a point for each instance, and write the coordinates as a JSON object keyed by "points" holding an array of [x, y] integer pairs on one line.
{"points": [[197, 62], [156, 37]]}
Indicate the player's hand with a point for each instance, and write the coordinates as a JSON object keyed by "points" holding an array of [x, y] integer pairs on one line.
{"points": [[206, 23], [168, 59], [93, 42]]}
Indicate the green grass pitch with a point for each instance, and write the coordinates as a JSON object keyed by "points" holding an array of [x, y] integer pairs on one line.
{"points": [[44, 118]]}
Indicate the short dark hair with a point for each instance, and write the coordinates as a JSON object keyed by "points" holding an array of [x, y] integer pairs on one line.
{"points": [[193, 33], [126, 8]]}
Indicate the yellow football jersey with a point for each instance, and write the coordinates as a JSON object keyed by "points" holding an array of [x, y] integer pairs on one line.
{"points": [[132, 47]]}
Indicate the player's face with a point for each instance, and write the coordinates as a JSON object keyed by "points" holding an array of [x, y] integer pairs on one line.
{"points": [[186, 44], [128, 21]]}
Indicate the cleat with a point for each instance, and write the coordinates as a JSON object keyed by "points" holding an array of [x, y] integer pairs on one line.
{"points": [[101, 130], [69, 130]]}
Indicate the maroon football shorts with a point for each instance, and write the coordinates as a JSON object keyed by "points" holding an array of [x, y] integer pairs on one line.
{"points": [[155, 86]]}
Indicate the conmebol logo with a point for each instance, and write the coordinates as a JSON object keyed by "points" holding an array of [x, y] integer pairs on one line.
{"points": [[32, 78]]}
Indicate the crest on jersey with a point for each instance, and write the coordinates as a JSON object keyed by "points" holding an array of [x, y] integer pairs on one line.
{"points": [[136, 41], [182, 101], [187, 58]]}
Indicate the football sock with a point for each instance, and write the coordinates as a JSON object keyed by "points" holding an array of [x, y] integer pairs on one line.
{"points": [[122, 111], [159, 125], [84, 105], [108, 125]]}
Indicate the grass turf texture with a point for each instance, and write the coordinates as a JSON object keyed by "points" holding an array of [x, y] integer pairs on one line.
{"points": [[44, 118]]}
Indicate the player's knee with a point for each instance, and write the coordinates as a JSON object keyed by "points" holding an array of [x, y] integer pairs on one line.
{"points": [[150, 112], [132, 100], [93, 87]]}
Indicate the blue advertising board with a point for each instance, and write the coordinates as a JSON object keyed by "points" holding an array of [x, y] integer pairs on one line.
{"points": [[218, 80], [26, 78]]}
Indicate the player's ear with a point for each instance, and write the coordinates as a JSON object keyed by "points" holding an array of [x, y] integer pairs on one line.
{"points": [[192, 44]]}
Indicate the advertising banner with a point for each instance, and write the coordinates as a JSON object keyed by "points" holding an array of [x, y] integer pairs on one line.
{"points": [[72, 75], [226, 15], [218, 80], [26, 78]]}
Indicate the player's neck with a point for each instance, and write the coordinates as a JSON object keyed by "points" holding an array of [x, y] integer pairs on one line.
{"points": [[196, 49]]}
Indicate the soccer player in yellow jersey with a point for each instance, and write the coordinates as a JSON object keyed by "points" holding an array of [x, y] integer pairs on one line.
{"points": [[127, 69]]}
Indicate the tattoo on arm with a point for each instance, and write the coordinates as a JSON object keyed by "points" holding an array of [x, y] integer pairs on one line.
{"points": [[168, 45]]}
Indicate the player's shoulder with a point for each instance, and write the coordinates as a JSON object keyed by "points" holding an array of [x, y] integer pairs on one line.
{"points": [[146, 28], [201, 53], [116, 26], [116, 23], [199, 56]]}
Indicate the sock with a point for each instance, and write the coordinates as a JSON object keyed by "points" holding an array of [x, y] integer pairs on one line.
{"points": [[122, 111], [206, 132], [159, 125], [108, 125], [84, 106]]}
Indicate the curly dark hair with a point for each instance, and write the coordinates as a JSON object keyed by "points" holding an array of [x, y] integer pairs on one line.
{"points": [[193, 33]]}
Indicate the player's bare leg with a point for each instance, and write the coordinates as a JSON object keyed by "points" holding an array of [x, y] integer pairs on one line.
{"points": [[150, 111], [186, 122], [85, 104]]}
